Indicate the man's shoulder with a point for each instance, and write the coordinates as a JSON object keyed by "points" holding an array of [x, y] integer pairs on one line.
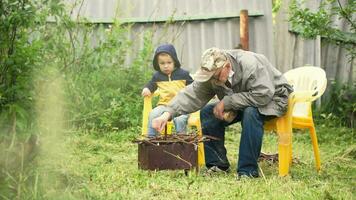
{"points": [[248, 60], [242, 55], [234, 52]]}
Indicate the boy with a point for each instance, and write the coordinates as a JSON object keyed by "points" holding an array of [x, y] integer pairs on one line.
{"points": [[169, 79]]}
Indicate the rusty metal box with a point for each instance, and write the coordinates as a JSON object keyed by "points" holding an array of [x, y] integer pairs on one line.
{"points": [[167, 155]]}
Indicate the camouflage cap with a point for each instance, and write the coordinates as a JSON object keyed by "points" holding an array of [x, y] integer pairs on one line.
{"points": [[211, 60]]}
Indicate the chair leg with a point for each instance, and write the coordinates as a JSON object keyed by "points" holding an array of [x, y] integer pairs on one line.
{"points": [[201, 156], [283, 158], [201, 153], [284, 130], [284, 151], [291, 154], [315, 147]]}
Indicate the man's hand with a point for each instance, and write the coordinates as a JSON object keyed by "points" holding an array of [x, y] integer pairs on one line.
{"points": [[146, 92], [219, 110], [160, 122]]}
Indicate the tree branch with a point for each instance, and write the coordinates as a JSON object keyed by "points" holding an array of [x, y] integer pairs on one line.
{"points": [[344, 14]]}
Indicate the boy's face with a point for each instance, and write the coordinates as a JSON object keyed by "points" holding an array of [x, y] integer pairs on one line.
{"points": [[166, 63]]}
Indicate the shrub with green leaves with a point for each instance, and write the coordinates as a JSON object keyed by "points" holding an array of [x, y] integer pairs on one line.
{"points": [[20, 53], [340, 107], [309, 23], [103, 91]]}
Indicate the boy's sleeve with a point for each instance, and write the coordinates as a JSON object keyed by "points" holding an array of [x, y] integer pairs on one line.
{"points": [[152, 84]]}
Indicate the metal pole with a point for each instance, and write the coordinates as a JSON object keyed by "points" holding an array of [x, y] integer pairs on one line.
{"points": [[317, 61], [244, 29]]}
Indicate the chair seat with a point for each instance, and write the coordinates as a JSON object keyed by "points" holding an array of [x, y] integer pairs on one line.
{"points": [[302, 122], [270, 125], [194, 118]]}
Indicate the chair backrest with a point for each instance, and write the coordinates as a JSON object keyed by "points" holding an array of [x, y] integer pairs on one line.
{"points": [[307, 78]]}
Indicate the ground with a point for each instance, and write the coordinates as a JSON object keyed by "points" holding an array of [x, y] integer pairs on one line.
{"points": [[82, 165], [104, 166]]}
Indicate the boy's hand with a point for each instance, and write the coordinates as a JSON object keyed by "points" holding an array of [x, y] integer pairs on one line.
{"points": [[146, 92], [160, 122]]}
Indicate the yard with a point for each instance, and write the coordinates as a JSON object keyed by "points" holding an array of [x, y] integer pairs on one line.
{"points": [[72, 75], [104, 166]]}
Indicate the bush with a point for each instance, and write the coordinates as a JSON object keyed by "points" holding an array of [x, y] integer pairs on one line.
{"points": [[340, 107], [19, 53], [103, 92]]}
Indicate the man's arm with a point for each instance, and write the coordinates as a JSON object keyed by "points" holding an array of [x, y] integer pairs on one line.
{"points": [[260, 90], [160, 122], [192, 98]]}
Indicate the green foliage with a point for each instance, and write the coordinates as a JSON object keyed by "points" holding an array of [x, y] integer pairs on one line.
{"points": [[103, 91], [340, 107], [19, 53], [311, 24], [276, 5]]}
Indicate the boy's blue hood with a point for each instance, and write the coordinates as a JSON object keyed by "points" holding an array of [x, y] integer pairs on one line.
{"points": [[169, 49]]}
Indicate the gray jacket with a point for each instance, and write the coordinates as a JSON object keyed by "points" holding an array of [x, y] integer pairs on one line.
{"points": [[255, 83]]}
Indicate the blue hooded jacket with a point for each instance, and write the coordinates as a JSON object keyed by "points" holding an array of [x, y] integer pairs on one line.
{"points": [[168, 49], [169, 86]]}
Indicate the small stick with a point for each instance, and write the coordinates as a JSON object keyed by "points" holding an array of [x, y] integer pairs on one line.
{"points": [[151, 143], [165, 132], [180, 140], [190, 165], [263, 175]]}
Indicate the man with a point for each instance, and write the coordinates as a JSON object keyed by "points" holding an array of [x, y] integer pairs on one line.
{"points": [[250, 90]]}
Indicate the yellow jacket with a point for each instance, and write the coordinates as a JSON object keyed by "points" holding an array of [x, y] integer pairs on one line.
{"points": [[169, 86]]}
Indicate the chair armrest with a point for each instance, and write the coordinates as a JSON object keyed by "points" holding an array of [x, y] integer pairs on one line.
{"points": [[303, 96], [147, 107]]}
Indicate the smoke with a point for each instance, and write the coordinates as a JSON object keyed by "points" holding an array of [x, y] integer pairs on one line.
{"points": [[35, 167], [53, 150]]}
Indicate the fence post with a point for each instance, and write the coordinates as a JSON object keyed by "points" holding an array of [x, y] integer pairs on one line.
{"points": [[244, 29]]}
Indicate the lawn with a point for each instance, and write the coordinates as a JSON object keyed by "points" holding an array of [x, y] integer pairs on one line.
{"points": [[104, 166]]}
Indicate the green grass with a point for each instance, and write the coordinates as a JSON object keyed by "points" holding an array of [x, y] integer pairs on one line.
{"points": [[104, 166]]}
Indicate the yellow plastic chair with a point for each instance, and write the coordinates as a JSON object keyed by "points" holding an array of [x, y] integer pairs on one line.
{"points": [[309, 83], [312, 82], [193, 121]]}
